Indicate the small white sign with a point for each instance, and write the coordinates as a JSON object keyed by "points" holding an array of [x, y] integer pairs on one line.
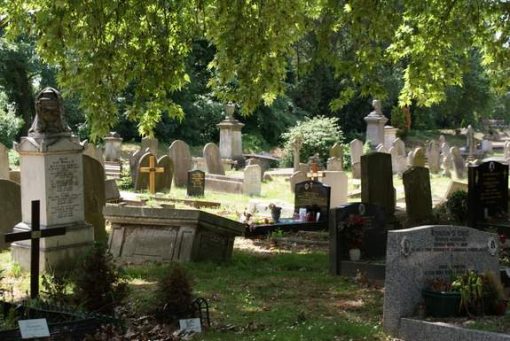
{"points": [[33, 328], [191, 325]]}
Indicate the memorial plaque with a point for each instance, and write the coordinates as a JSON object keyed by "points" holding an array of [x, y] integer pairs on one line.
{"points": [[314, 197], [196, 183], [487, 193], [418, 255], [374, 233], [64, 189]]}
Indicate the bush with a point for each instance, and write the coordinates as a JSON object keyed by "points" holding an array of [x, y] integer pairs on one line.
{"points": [[453, 211], [10, 124], [318, 135], [98, 284], [175, 294]]}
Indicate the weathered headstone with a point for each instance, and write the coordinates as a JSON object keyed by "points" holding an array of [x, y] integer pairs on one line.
{"points": [[164, 181], [142, 180], [337, 151], [381, 148], [94, 196], [337, 181], [335, 164], [111, 191], [112, 147], [93, 151], [141, 234], [356, 170], [418, 195], [4, 162], [356, 150], [52, 171], [433, 156], [377, 181], [375, 124], [134, 159], [181, 157], [252, 180], [314, 197], [213, 159], [374, 233], [196, 183], [231, 145], [390, 134], [458, 163], [442, 140], [151, 143], [10, 206], [488, 193], [417, 255], [418, 158], [400, 147], [295, 178], [297, 143]]}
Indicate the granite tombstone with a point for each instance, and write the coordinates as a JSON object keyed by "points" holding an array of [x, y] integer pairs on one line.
{"points": [[315, 198], [213, 159], [377, 181], [94, 196], [418, 195], [374, 233], [182, 161], [487, 193], [418, 255], [196, 183]]}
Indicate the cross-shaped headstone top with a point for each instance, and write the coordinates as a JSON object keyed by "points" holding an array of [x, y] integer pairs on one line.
{"points": [[152, 170]]}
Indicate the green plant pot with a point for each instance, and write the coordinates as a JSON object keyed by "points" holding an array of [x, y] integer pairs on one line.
{"points": [[441, 304]]}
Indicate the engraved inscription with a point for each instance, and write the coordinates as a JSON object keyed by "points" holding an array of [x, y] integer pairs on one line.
{"points": [[64, 188]]}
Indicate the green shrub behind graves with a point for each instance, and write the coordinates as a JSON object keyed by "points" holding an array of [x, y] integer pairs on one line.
{"points": [[98, 282], [318, 135], [175, 294], [457, 206], [9, 122]]}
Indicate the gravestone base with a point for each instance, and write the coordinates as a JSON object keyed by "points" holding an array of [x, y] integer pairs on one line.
{"points": [[56, 252]]}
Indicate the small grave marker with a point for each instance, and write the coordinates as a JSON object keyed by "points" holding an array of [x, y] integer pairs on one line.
{"points": [[34, 235], [196, 183], [34, 328], [487, 192], [152, 170]]}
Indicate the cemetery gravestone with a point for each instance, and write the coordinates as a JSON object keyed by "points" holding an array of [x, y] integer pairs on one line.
{"points": [[134, 161], [377, 181], [111, 191], [112, 147], [315, 198], [151, 143], [196, 183], [337, 181], [4, 162], [231, 145], [487, 193], [418, 255], [356, 150], [92, 151], [164, 180], [458, 163], [51, 165], [10, 206], [506, 151], [252, 180], [374, 233], [375, 124], [180, 155], [213, 159], [356, 170], [381, 148], [335, 164], [94, 196], [295, 178], [337, 151], [142, 180], [433, 153], [418, 195], [418, 158]]}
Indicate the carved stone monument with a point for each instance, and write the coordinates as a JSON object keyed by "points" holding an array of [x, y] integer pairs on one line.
{"points": [[375, 124], [231, 145], [51, 166]]}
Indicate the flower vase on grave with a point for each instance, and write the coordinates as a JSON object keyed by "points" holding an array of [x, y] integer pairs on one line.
{"points": [[275, 213]]}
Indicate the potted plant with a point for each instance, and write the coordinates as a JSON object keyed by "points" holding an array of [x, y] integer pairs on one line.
{"points": [[440, 299], [275, 212], [353, 234]]}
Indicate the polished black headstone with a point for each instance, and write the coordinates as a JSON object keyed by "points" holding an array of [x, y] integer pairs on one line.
{"points": [[196, 183], [314, 196]]}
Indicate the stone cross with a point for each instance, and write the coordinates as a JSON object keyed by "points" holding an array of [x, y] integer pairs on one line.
{"points": [[35, 235], [152, 170]]}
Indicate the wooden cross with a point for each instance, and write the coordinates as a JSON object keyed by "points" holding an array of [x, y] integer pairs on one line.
{"points": [[152, 170], [34, 235]]}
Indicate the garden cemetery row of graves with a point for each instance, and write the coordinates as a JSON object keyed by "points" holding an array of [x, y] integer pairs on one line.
{"points": [[75, 187]]}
